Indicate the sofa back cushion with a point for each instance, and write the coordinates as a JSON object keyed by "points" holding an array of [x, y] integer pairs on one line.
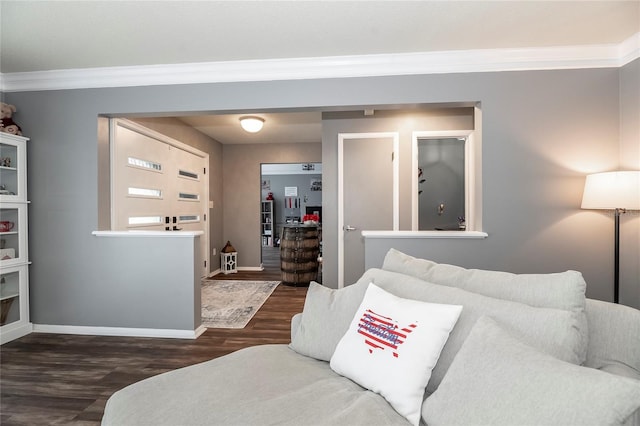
{"points": [[328, 313], [565, 290], [325, 318], [515, 384]]}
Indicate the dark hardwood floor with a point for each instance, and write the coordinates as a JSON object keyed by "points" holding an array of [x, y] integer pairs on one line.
{"points": [[66, 379]]}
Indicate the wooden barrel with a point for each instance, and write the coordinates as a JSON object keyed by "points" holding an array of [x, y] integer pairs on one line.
{"points": [[299, 251]]}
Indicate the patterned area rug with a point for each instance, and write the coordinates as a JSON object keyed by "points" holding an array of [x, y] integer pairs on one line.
{"points": [[232, 304]]}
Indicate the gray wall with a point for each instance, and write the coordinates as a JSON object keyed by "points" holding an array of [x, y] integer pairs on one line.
{"points": [[404, 124], [242, 191], [542, 131], [630, 160], [147, 282]]}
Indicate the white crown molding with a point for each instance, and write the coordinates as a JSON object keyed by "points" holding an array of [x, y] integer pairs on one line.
{"points": [[454, 61], [629, 49]]}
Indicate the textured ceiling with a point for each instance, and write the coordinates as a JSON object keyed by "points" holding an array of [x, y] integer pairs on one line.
{"points": [[47, 35]]}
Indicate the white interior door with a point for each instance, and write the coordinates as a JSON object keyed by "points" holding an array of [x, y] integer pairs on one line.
{"points": [[140, 181], [367, 195], [189, 197], [158, 184]]}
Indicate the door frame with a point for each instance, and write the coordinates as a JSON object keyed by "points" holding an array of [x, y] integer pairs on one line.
{"points": [[342, 139]]}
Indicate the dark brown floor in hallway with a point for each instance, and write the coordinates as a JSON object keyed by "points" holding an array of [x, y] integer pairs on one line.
{"points": [[67, 379]]}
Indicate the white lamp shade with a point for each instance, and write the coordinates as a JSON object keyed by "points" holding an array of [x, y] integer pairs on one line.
{"points": [[251, 124], [612, 190]]}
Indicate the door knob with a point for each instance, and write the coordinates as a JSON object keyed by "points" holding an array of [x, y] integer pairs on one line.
{"points": [[349, 228]]}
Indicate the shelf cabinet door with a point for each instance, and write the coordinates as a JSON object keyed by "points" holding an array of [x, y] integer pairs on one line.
{"points": [[13, 234], [14, 255], [13, 173], [14, 303]]}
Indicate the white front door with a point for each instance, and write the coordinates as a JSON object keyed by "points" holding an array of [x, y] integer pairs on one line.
{"points": [[367, 195], [158, 184]]}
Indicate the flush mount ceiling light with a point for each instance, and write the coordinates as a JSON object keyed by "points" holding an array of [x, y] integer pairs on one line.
{"points": [[251, 124]]}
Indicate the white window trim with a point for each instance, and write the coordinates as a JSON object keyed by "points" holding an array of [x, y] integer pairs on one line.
{"points": [[472, 178]]}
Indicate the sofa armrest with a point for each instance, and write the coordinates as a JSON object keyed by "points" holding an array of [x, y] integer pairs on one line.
{"points": [[295, 324], [614, 338]]}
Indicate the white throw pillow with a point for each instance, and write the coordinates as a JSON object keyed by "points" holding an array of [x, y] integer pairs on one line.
{"points": [[392, 345]]}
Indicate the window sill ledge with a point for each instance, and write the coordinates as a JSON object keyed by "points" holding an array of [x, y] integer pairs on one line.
{"points": [[425, 234]]}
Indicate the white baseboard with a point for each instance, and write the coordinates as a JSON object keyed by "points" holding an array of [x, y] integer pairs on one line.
{"points": [[251, 268], [13, 331], [119, 331], [239, 268], [213, 273]]}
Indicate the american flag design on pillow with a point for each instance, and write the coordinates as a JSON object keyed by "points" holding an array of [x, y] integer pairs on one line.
{"points": [[382, 332]]}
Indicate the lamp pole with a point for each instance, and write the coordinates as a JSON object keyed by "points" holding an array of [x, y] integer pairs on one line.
{"points": [[616, 256]]}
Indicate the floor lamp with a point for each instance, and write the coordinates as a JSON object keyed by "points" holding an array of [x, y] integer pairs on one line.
{"points": [[617, 191]]}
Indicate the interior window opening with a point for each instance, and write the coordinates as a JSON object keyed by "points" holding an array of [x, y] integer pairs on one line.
{"points": [[444, 189]]}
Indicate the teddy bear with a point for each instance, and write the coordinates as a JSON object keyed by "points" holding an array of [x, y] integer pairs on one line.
{"points": [[7, 125]]}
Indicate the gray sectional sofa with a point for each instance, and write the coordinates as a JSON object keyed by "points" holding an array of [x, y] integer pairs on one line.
{"points": [[525, 349]]}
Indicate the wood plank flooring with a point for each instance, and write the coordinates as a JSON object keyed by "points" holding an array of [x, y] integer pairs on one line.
{"points": [[50, 379]]}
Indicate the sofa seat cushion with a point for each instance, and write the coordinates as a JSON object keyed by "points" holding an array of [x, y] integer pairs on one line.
{"points": [[496, 379], [260, 385]]}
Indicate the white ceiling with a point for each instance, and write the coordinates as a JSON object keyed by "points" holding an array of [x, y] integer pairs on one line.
{"points": [[59, 35], [48, 35]]}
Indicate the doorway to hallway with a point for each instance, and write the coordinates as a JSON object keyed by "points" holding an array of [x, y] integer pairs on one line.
{"points": [[288, 192]]}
